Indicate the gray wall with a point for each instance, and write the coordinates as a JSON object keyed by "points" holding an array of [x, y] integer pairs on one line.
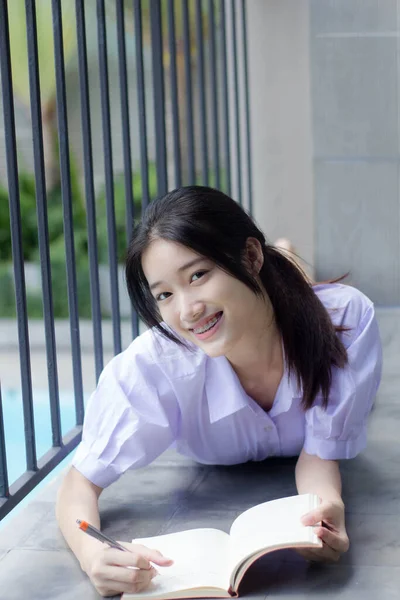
{"points": [[278, 34], [355, 79], [325, 115]]}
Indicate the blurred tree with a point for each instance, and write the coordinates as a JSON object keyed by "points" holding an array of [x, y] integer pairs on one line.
{"points": [[180, 63], [20, 73]]}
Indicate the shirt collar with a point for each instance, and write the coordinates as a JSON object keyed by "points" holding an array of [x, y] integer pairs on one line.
{"points": [[224, 392], [286, 392]]}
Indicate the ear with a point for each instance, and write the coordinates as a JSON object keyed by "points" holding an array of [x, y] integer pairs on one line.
{"points": [[253, 257]]}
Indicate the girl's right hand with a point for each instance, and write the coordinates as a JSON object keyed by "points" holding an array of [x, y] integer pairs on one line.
{"points": [[108, 568]]}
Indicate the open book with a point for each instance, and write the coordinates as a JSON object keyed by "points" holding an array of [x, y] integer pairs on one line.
{"points": [[209, 563]]}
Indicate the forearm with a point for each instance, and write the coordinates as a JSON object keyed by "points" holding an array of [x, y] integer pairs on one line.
{"points": [[78, 499], [318, 476]]}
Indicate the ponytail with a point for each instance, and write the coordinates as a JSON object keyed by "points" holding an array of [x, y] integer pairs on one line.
{"points": [[310, 339]]}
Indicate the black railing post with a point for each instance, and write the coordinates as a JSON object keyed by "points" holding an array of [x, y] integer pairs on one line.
{"points": [[66, 193], [174, 94], [236, 102], [16, 237], [126, 137], [201, 82], [188, 92], [4, 490], [108, 170], [141, 94], [214, 96], [41, 207], [159, 95], [89, 186], [225, 99]]}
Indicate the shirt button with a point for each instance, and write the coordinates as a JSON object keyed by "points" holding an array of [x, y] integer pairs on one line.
{"points": [[268, 428]]}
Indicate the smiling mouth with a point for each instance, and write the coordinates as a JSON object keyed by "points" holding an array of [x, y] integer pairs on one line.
{"points": [[209, 325]]}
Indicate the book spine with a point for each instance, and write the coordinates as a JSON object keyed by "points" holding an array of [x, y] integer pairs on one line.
{"points": [[232, 592]]}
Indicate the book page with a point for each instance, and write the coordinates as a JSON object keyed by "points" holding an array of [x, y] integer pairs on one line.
{"points": [[200, 560], [272, 524]]}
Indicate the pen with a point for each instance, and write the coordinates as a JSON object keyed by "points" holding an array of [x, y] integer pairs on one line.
{"points": [[89, 529]]}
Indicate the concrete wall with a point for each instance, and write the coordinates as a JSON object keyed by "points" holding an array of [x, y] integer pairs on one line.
{"points": [[278, 42], [324, 89], [354, 49]]}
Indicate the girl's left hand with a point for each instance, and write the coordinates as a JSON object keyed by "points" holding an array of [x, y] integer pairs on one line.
{"points": [[332, 532]]}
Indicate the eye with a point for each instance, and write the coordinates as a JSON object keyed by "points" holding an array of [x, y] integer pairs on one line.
{"points": [[198, 275], [162, 296]]}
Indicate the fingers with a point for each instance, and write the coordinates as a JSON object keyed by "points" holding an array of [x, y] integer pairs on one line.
{"points": [[153, 555], [313, 517], [339, 543], [112, 584], [113, 572], [137, 556], [329, 525], [131, 577], [333, 546], [126, 559]]}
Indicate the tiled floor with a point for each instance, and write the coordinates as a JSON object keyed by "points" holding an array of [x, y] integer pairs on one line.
{"points": [[175, 493]]}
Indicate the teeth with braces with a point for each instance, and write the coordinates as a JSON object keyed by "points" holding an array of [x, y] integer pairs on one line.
{"points": [[207, 326]]}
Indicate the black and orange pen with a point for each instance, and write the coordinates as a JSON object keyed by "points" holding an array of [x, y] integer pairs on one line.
{"points": [[90, 530]]}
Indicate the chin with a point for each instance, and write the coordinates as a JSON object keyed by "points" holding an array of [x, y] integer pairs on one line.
{"points": [[213, 351]]}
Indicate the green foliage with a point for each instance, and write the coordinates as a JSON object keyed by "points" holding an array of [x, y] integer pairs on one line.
{"points": [[120, 211], [212, 179], [5, 233], [28, 218], [7, 302], [57, 251]]}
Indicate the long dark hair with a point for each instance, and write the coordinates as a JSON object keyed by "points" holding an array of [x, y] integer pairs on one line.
{"points": [[216, 227]]}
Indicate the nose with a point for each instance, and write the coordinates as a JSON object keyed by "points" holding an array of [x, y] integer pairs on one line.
{"points": [[191, 310]]}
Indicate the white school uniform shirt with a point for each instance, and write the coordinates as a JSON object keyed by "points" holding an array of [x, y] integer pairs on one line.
{"points": [[157, 394]]}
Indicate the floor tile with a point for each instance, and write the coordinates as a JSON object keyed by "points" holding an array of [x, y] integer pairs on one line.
{"points": [[304, 581]]}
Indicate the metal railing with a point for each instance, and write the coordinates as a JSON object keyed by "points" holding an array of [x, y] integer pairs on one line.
{"points": [[200, 120]]}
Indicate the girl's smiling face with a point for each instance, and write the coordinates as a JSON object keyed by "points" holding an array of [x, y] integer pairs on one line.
{"points": [[200, 301]]}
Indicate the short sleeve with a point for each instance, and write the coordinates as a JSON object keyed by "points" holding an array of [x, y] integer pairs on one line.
{"points": [[340, 431], [129, 421]]}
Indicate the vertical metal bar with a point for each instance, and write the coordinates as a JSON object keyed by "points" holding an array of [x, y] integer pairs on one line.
{"points": [[247, 108], [188, 90], [141, 91], [67, 207], [225, 99], [16, 237], [159, 95], [174, 94], [126, 137], [236, 103], [4, 492], [89, 186], [41, 206], [108, 169], [202, 92], [214, 96]]}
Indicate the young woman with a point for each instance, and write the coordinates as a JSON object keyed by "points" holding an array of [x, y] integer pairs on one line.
{"points": [[244, 359]]}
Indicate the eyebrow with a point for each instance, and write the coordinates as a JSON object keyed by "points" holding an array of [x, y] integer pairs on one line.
{"points": [[184, 267]]}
